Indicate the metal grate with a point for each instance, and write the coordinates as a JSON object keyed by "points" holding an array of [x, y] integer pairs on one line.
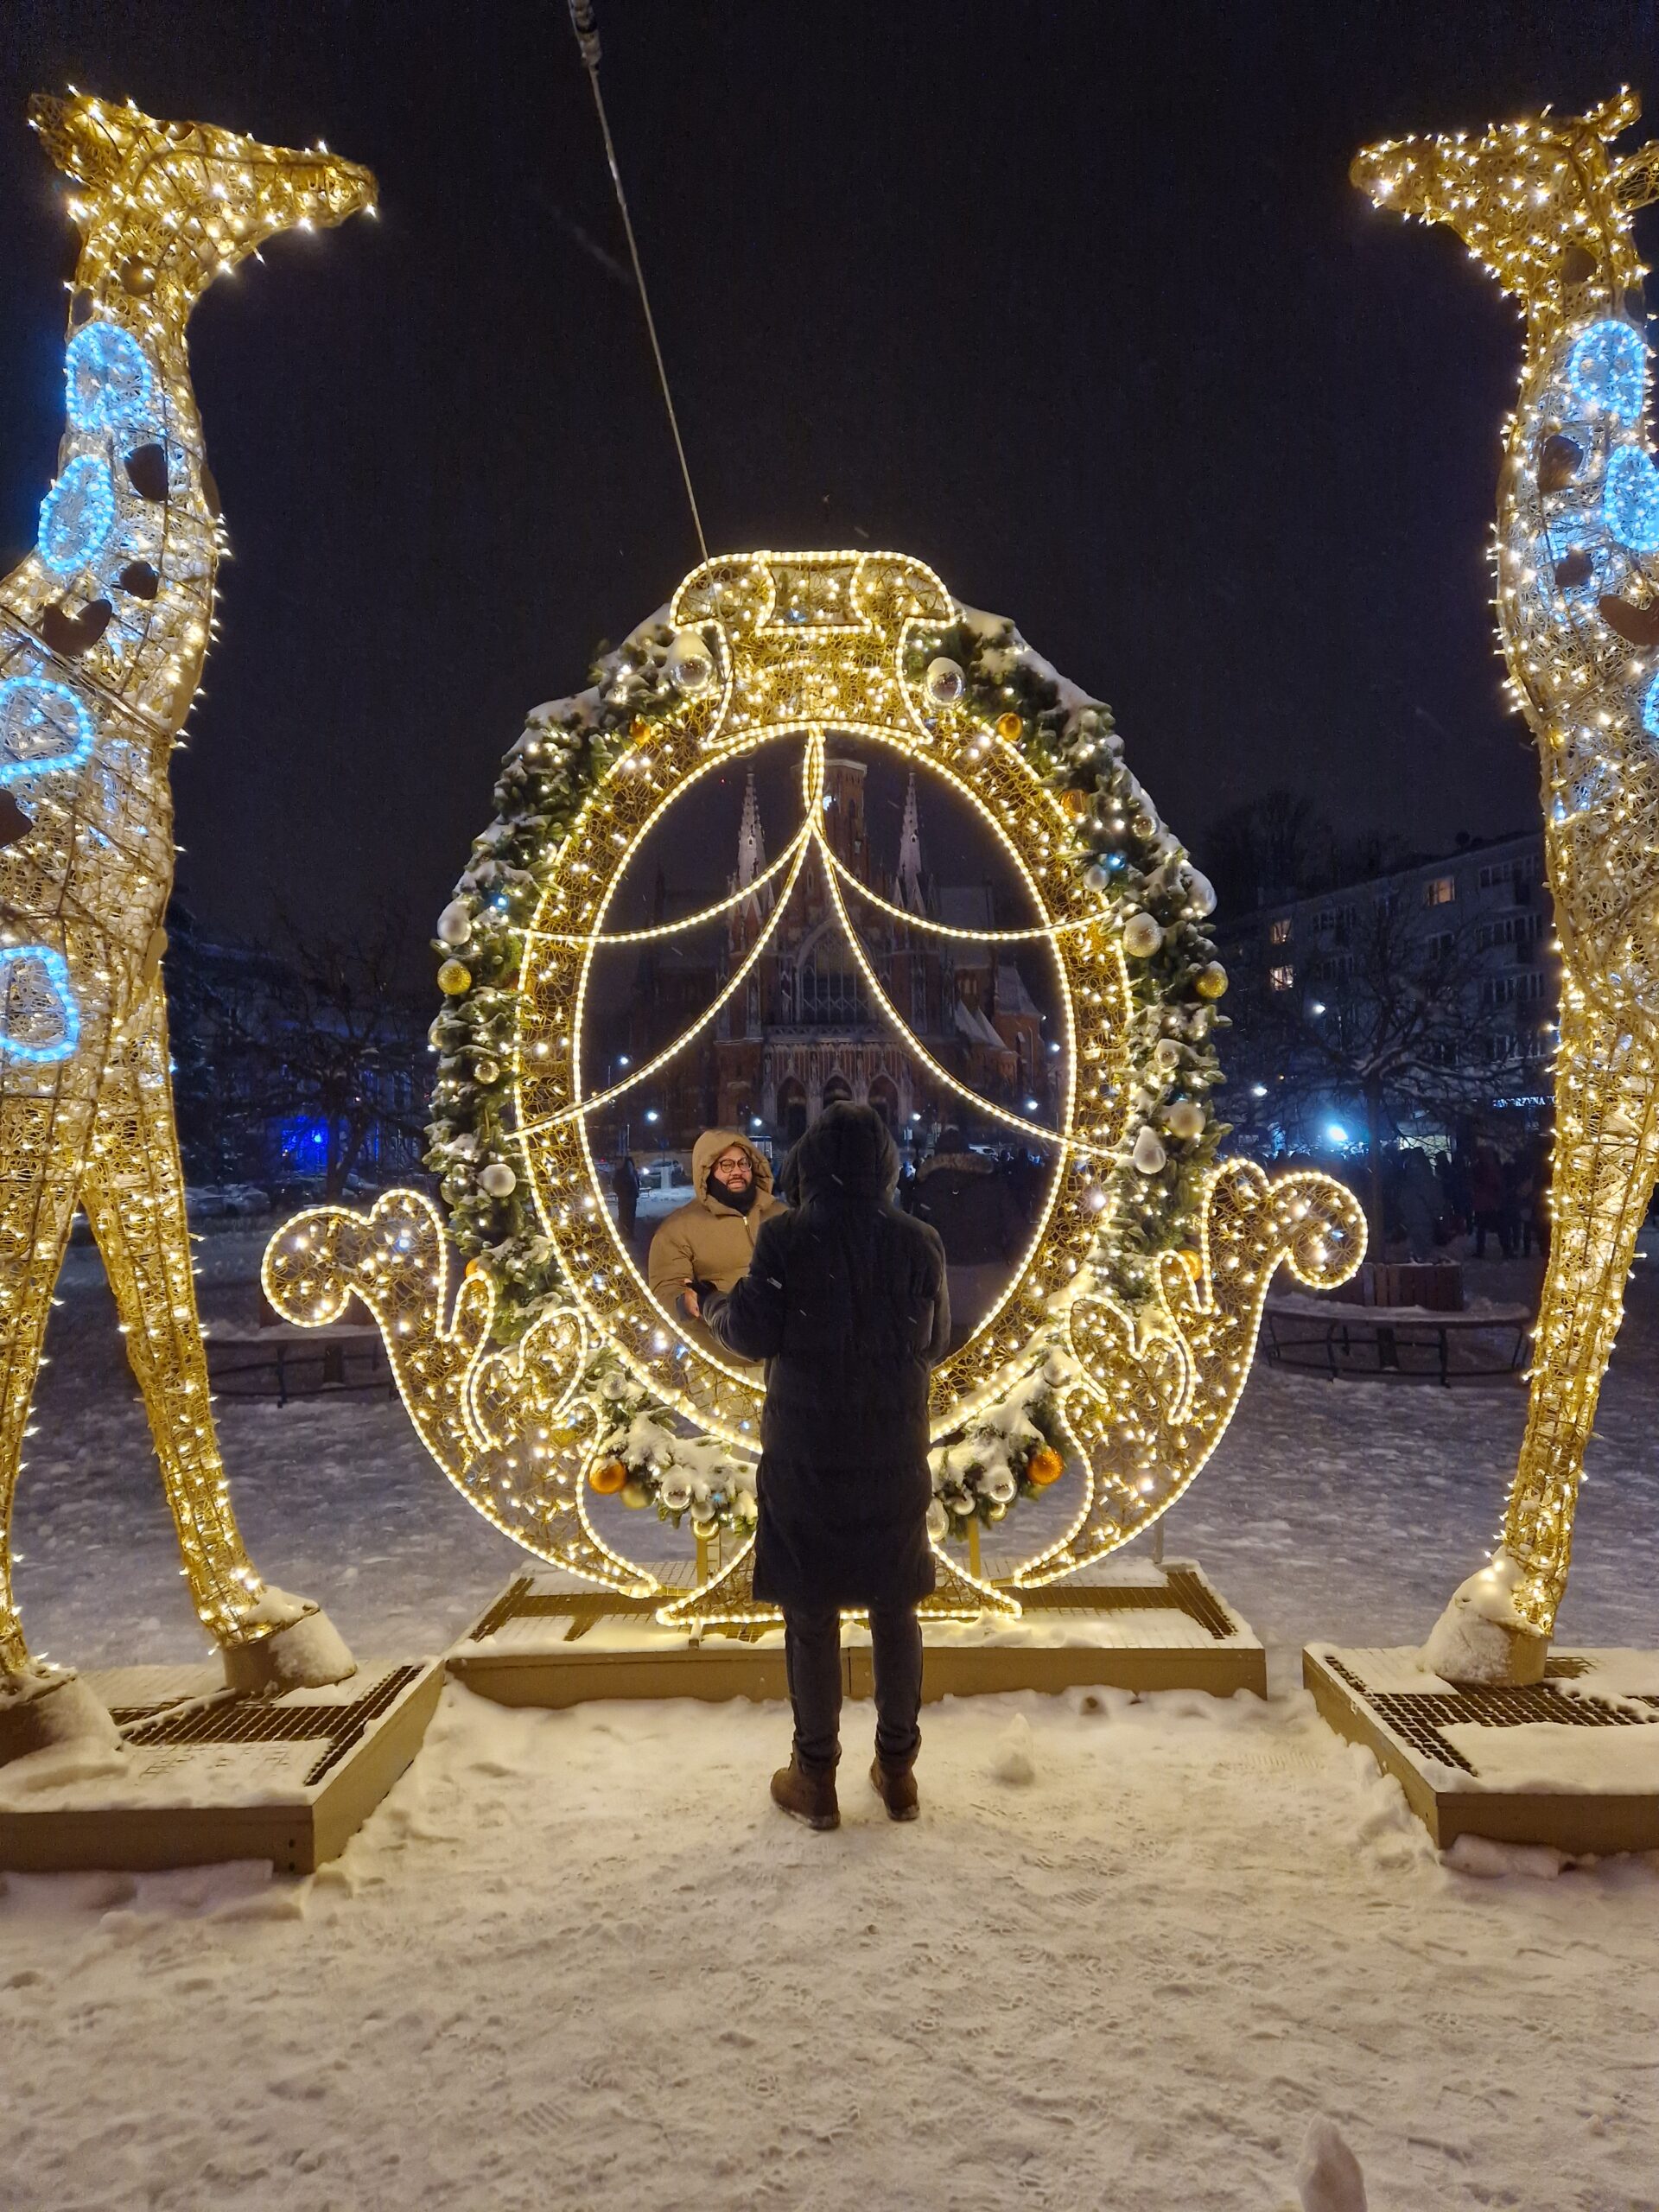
{"points": [[1418, 1716], [241, 1719]]}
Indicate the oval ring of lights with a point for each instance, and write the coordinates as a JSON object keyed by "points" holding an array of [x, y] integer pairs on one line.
{"points": [[1122, 1383]]}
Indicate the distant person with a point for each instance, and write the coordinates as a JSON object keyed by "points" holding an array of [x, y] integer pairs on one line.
{"points": [[982, 1229], [846, 1301], [1486, 1200], [625, 1182], [1418, 1197], [711, 1237]]}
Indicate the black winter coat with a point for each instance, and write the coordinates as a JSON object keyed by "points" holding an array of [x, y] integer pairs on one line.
{"points": [[846, 1301]]}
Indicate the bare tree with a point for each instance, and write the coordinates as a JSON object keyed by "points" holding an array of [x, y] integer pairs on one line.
{"points": [[346, 1050], [1400, 1018]]}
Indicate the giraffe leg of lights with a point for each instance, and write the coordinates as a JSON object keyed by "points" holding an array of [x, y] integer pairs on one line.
{"points": [[35, 1210], [133, 1192], [1498, 1627]]}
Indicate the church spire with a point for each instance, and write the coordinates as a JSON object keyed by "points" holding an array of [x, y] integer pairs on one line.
{"points": [[909, 854], [751, 844]]}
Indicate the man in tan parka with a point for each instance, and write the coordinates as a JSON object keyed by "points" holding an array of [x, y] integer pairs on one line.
{"points": [[711, 1237]]}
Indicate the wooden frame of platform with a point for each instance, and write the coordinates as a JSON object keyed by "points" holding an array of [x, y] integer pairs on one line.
{"points": [[549, 1640], [1514, 1765], [209, 1774]]}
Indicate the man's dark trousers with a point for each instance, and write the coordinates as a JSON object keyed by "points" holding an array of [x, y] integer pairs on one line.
{"points": [[812, 1656]]}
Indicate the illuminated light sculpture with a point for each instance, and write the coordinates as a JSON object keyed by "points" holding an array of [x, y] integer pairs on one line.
{"points": [[555, 1366], [103, 632], [1546, 207]]}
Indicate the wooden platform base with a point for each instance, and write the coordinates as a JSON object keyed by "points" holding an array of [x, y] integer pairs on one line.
{"points": [[548, 1640], [1573, 1762], [208, 1775]]}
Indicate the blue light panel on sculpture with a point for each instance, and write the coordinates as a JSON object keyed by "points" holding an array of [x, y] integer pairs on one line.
{"points": [[109, 385], [38, 999], [1607, 368], [1630, 499], [43, 726], [1650, 709], [76, 515]]}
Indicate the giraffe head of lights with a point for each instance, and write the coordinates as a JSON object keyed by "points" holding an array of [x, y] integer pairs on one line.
{"points": [[1544, 203], [168, 207]]}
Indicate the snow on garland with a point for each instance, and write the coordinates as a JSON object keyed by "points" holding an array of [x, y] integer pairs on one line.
{"points": [[1171, 1134]]}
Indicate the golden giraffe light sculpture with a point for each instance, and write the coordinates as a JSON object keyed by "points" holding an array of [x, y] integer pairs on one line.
{"points": [[103, 630], [789, 648], [1547, 207]]}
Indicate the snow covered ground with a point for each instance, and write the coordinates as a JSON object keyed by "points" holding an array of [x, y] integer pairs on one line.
{"points": [[578, 1960]]}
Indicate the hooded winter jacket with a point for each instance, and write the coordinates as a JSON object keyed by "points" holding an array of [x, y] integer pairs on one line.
{"points": [[846, 1301], [705, 1240]]}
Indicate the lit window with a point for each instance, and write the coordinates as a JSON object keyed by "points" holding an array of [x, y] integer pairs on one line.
{"points": [[1279, 931], [1440, 891], [1281, 979]]}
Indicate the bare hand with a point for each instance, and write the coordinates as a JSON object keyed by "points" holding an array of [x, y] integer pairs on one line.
{"points": [[688, 1300]]}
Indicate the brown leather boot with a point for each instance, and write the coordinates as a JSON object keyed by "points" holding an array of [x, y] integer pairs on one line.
{"points": [[896, 1787], [808, 1797]]}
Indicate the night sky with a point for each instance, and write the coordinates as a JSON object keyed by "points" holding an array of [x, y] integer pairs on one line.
{"points": [[1073, 301]]}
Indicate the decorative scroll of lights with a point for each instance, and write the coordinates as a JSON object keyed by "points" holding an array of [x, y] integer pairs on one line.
{"points": [[1122, 1392], [1546, 206], [103, 629]]}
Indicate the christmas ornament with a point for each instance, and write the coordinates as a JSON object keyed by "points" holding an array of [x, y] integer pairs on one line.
{"points": [[691, 664], [455, 923], [498, 1179], [945, 681], [1184, 1120], [1212, 981], [1142, 937], [1148, 1154]]}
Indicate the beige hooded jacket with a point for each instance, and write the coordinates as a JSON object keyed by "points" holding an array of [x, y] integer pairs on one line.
{"points": [[707, 1241]]}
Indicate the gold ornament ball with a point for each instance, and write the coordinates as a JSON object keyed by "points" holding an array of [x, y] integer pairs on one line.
{"points": [[1142, 936], [453, 978], [609, 1478], [1212, 981], [1045, 1466], [1185, 1119], [996, 1511], [634, 1496], [1011, 726]]}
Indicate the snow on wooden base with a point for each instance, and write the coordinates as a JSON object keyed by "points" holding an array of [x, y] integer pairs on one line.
{"points": [[206, 1774], [549, 1640], [1572, 1761]]}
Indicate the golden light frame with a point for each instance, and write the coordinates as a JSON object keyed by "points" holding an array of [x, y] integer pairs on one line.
{"points": [[800, 647]]}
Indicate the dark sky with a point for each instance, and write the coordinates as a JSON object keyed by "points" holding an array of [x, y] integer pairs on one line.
{"points": [[1073, 300]]}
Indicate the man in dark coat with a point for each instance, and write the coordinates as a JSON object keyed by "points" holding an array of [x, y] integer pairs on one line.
{"points": [[846, 1299]]}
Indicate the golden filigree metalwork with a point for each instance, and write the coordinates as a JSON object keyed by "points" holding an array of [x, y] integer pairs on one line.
{"points": [[1546, 206], [103, 632], [802, 645]]}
